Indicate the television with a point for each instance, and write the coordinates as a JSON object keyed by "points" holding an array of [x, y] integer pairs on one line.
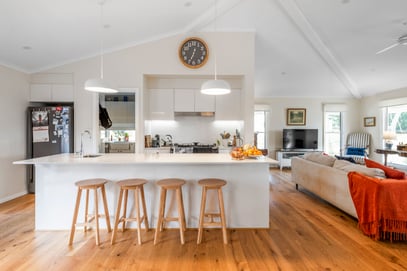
{"points": [[300, 139]]}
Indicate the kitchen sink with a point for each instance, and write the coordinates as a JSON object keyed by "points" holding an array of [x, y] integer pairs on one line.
{"points": [[91, 155]]}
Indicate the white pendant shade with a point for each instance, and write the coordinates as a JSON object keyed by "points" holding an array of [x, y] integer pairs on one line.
{"points": [[215, 87], [98, 85]]}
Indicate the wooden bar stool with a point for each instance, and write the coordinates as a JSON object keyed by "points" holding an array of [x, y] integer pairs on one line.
{"points": [[87, 185], [176, 185], [138, 186], [208, 184]]}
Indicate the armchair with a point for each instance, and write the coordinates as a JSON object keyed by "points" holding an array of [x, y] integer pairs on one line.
{"points": [[357, 146]]}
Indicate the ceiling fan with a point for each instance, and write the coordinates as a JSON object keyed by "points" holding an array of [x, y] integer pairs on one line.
{"points": [[400, 41]]}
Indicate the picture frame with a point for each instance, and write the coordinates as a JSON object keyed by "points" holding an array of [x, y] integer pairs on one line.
{"points": [[369, 121], [296, 116]]}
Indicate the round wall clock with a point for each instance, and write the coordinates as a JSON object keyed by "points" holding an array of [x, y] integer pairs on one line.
{"points": [[193, 52]]}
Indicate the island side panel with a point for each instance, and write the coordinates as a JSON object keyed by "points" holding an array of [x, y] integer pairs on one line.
{"points": [[246, 194]]}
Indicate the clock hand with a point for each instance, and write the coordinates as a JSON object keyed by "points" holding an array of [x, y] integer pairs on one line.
{"points": [[193, 53]]}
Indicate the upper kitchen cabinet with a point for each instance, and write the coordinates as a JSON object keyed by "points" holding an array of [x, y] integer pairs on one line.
{"points": [[192, 100], [228, 107], [161, 104], [203, 102], [51, 87], [51, 93]]}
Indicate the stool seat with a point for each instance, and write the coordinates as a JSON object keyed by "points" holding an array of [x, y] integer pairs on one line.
{"points": [[87, 185], [138, 186], [131, 183], [91, 183], [212, 184], [171, 184]]}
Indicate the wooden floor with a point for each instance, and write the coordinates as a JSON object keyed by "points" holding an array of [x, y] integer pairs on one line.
{"points": [[305, 234]]}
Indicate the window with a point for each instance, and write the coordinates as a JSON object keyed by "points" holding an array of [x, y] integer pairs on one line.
{"points": [[260, 128], [395, 121], [332, 133]]}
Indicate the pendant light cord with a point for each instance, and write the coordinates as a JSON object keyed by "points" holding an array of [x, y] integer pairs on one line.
{"points": [[102, 2], [215, 29]]}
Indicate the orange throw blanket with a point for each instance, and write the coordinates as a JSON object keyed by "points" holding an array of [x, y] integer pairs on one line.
{"points": [[381, 206]]}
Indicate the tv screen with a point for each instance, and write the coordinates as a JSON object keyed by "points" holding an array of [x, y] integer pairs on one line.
{"points": [[300, 139]]}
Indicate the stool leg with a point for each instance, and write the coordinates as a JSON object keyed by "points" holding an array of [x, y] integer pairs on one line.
{"points": [[107, 217], [183, 211], [181, 219], [201, 215], [123, 218], [160, 214], [97, 217], [116, 221], [137, 205], [222, 216], [143, 203], [85, 228], [75, 215], [162, 224]]}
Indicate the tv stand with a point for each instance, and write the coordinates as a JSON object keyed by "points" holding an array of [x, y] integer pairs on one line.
{"points": [[284, 156]]}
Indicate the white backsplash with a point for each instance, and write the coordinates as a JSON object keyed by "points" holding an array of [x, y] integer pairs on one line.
{"points": [[188, 129]]}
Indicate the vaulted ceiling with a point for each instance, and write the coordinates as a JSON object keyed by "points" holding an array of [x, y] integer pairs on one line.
{"points": [[304, 48]]}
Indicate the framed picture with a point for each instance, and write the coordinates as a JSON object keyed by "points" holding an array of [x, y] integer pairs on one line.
{"points": [[369, 121], [296, 116]]}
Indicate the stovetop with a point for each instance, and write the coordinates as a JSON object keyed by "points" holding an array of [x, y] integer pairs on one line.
{"points": [[196, 148]]}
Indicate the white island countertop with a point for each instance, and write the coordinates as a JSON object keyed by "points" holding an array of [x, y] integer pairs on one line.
{"points": [[246, 194], [141, 158]]}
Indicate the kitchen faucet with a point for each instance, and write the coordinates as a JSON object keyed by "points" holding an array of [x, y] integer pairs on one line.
{"points": [[82, 134], [170, 142]]}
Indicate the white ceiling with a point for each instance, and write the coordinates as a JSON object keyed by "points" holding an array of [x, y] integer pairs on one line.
{"points": [[304, 48]]}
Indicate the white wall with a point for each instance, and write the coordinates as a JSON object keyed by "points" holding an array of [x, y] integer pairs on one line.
{"points": [[13, 104], [314, 117], [127, 69]]}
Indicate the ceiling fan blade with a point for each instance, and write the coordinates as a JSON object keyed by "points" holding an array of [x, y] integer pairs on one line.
{"points": [[387, 48]]}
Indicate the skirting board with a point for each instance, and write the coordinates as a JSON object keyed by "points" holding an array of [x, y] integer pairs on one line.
{"points": [[2, 200]]}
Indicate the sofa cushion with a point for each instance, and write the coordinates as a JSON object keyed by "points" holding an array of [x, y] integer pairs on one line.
{"points": [[355, 151], [390, 172], [348, 167], [350, 159], [320, 158]]}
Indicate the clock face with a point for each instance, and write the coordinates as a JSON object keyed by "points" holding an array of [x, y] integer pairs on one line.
{"points": [[193, 52]]}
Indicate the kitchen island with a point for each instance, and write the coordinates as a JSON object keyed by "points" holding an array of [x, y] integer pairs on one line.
{"points": [[246, 194]]}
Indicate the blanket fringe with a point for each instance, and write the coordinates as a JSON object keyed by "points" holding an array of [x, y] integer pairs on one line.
{"points": [[385, 229]]}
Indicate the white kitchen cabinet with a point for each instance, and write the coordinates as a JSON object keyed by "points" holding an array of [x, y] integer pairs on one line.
{"points": [[192, 100], [203, 102], [161, 104], [51, 93], [184, 100], [228, 107]]}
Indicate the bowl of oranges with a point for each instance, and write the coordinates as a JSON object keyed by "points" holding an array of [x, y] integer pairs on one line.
{"points": [[247, 151]]}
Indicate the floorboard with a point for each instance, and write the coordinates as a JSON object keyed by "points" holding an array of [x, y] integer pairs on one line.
{"points": [[305, 233]]}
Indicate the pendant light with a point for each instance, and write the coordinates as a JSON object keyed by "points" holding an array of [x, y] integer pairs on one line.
{"points": [[216, 86], [99, 84]]}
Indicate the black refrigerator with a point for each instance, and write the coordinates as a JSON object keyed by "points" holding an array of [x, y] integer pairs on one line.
{"points": [[50, 131]]}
